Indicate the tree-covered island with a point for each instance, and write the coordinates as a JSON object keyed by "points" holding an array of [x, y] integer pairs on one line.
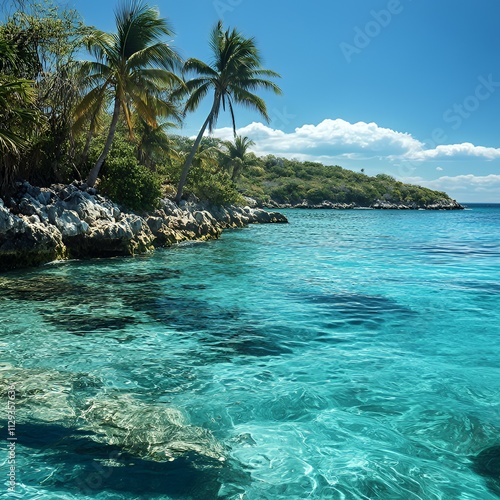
{"points": [[89, 118]]}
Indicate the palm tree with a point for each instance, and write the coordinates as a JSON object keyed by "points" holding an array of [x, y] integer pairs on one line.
{"points": [[17, 102], [154, 144], [135, 67], [17, 115], [20, 120], [237, 155], [235, 72]]}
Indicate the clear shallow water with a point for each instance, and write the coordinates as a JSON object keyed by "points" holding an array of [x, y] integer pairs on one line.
{"points": [[346, 355]]}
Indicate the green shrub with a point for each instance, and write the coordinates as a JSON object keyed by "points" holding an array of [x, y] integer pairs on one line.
{"points": [[122, 178], [128, 183], [214, 185]]}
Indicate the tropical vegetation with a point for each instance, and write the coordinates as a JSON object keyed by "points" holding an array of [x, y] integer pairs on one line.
{"points": [[110, 120], [294, 182], [236, 71], [134, 69]]}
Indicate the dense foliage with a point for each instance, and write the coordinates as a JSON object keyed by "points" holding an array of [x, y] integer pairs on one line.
{"points": [[123, 178], [112, 116], [292, 182], [38, 43], [233, 76], [210, 175]]}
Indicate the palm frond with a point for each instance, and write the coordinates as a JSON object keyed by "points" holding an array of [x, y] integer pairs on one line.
{"points": [[100, 45], [90, 73], [160, 78], [11, 142], [266, 72], [257, 83], [199, 67], [197, 96], [139, 26], [251, 101], [19, 119], [160, 55], [91, 107]]}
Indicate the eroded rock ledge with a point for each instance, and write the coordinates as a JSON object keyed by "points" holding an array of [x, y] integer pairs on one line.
{"points": [[39, 225], [444, 204]]}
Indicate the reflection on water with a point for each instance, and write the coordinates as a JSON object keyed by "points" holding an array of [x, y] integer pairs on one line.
{"points": [[347, 355]]}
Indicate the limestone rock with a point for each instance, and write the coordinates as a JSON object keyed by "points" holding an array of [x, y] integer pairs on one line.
{"points": [[439, 205], [68, 221], [149, 431], [444, 204], [70, 224], [264, 217], [129, 235], [7, 220], [26, 244], [250, 201]]}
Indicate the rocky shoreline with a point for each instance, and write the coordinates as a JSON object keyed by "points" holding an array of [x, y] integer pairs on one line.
{"points": [[40, 225], [445, 204]]}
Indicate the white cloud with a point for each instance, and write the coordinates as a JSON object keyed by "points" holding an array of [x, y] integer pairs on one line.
{"points": [[439, 168], [331, 139], [360, 135], [469, 187], [334, 140], [465, 149]]}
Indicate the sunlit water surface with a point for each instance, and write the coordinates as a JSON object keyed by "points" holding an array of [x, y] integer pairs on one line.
{"points": [[349, 354]]}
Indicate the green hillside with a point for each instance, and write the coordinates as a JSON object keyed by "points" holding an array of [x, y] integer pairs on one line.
{"points": [[291, 182]]}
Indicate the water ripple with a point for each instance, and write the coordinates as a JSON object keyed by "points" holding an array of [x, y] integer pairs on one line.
{"points": [[347, 355]]}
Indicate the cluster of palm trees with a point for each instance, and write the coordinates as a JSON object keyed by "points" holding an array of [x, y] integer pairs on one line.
{"points": [[17, 114], [141, 78]]}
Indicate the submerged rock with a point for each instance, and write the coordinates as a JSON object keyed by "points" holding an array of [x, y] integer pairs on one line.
{"points": [[42, 225], [148, 431], [487, 463]]}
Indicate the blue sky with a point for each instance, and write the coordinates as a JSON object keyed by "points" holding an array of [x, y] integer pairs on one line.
{"points": [[405, 87]]}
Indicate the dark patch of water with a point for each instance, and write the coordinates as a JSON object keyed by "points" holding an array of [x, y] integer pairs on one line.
{"points": [[344, 311], [83, 324], [487, 464], [131, 279], [83, 465]]}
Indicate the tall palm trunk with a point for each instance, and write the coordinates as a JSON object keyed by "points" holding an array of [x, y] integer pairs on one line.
{"points": [[90, 134], [94, 173], [85, 153], [189, 159], [236, 170]]}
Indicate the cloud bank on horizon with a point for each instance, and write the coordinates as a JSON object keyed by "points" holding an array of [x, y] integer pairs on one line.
{"points": [[382, 150]]}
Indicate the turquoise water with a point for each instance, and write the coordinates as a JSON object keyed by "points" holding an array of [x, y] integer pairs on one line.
{"points": [[349, 354]]}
